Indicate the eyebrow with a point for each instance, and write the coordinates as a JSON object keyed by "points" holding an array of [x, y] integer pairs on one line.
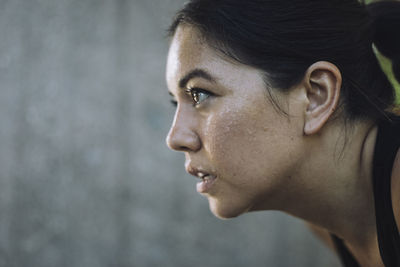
{"points": [[194, 74]]}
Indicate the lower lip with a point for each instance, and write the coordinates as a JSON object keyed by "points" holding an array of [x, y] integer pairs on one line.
{"points": [[205, 186]]}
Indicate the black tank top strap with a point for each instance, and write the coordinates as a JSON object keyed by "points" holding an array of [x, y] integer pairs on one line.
{"points": [[345, 256], [387, 145]]}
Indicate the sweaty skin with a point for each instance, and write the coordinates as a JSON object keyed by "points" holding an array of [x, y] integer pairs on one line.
{"points": [[260, 159], [235, 133]]}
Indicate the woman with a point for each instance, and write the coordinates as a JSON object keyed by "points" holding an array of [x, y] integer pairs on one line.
{"points": [[282, 105]]}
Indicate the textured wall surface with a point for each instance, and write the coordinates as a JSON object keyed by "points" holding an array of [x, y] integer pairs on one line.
{"points": [[85, 176]]}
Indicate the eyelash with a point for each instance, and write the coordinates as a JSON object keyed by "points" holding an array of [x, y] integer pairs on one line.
{"points": [[194, 91]]}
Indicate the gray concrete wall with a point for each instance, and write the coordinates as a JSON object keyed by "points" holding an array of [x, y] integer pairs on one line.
{"points": [[85, 177]]}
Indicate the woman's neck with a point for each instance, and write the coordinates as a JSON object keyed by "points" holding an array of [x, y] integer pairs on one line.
{"points": [[339, 196]]}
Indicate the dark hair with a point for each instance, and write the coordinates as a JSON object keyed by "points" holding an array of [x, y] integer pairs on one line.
{"points": [[283, 38]]}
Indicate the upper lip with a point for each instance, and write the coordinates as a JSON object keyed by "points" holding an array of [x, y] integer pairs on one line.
{"points": [[200, 173]]}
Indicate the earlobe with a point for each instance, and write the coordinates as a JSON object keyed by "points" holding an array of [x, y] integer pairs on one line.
{"points": [[322, 82]]}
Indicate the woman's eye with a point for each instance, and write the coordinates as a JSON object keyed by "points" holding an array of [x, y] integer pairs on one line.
{"points": [[198, 95]]}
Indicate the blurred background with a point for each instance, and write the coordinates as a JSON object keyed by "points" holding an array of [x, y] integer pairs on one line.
{"points": [[85, 176]]}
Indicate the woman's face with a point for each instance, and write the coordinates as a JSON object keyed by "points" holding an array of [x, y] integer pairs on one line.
{"points": [[244, 151]]}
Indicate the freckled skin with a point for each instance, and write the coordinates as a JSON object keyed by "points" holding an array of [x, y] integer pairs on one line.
{"points": [[237, 134], [266, 161]]}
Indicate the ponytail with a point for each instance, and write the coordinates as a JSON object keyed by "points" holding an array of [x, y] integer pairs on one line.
{"points": [[386, 22]]}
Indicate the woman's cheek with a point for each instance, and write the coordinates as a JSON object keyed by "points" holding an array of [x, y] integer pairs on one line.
{"points": [[224, 137], [231, 144]]}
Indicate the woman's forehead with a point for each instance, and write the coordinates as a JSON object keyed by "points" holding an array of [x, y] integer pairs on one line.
{"points": [[186, 46], [188, 52]]}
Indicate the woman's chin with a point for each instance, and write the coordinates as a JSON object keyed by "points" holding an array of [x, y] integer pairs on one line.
{"points": [[225, 210]]}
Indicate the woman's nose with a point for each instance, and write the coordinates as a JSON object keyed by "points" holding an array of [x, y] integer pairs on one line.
{"points": [[182, 135]]}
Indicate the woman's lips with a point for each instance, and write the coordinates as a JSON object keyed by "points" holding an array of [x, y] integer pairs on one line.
{"points": [[207, 179], [206, 183]]}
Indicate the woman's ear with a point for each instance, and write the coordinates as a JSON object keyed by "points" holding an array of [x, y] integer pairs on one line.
{"points": [[322, 82]]}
